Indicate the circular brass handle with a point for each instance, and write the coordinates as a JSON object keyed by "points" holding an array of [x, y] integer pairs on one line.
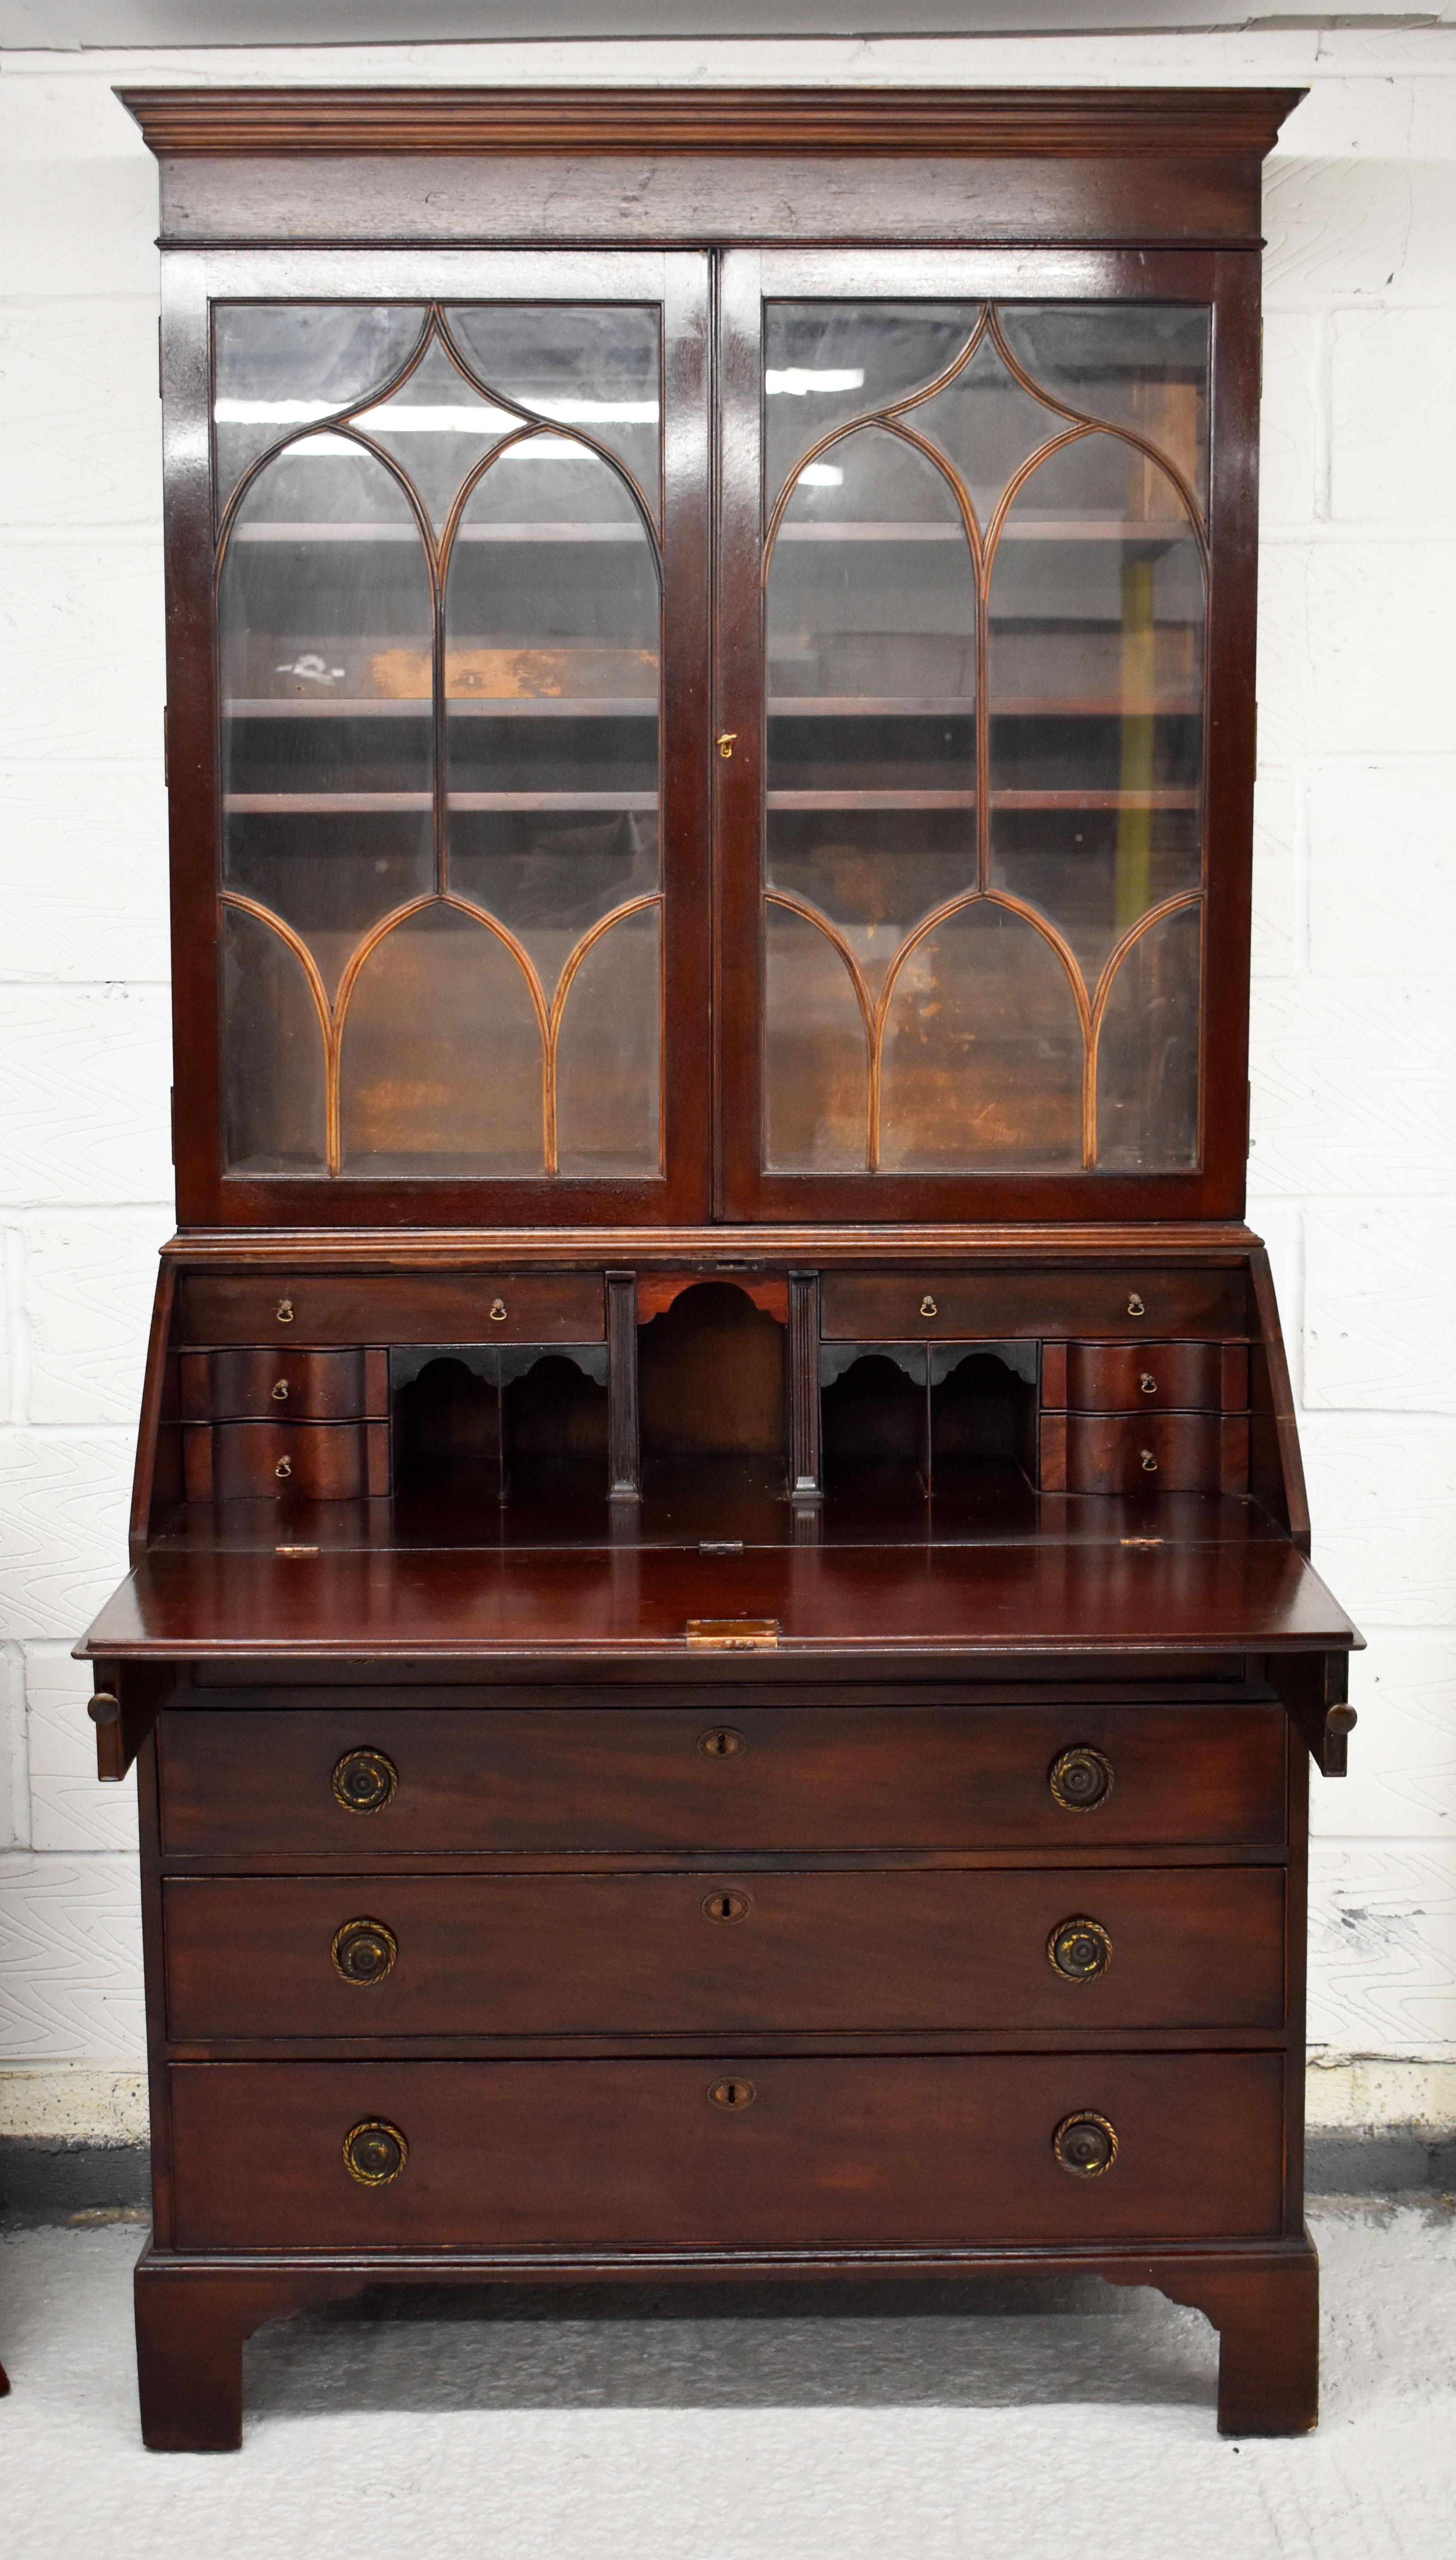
{"points": [[928, 1307], [286, 1311], [1146, 1462], [1079, 1949], [284, 1467], [1135, 1305], [726, 1906], [723, 1743], [103, 1708], [733, 2093], [1081, 1779], [1084, 2145], [280, 1391], [364, 1781], [1148, 1383], [497, 1311], [364, 1951], [374, 2153]]}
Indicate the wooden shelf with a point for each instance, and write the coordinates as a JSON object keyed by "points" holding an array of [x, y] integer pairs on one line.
{"points": [[345, 531], [458, 707], [338, 804], [1156, 799], [959, 707], [1023, 528]]}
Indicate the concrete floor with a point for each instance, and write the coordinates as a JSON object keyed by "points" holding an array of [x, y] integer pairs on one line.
{"points": [[1017, 2430]]}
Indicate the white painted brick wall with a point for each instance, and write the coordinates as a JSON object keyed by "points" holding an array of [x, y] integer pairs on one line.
{"points": [[1353, 1060]]}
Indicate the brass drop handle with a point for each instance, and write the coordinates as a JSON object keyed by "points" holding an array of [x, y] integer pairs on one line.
{"points": [[1146, 1462], [374, 2153], [1079, 1949], [364, 1781], [727, 739], [497, 1311], [723, 1743], [280, 1390], [1148, 1383], [928, 1307], [286, 1311], [1081, 1779], [726, 1906], [1084, 2145], [733, 2093], [364, 1951], [284, 1467]]}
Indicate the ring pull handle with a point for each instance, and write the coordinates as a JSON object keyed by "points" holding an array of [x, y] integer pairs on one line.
{"points": [[497, 1311], [280, 1391], [1146, 1462], [374, 2153], [1148, 1383], [286, 1311], [928, 1307], [1084, 2145], [1135, 1305], [284, 1467]]}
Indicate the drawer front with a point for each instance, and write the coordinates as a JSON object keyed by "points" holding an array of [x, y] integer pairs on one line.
{"points": [[393, 1307], [631, 2155], [723, 1954], [243, 1783], [228, 1462], [1156, 1453], [1003, 1305], [284, 1385], [1137, 1378]]}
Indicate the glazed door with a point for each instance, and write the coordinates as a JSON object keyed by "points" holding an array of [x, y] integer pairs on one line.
{"points": [[987, 596], [440, 826]]}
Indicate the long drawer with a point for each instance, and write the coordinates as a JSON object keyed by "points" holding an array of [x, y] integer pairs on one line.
{"points": [[253, 1307], [733, 2152], [724, 1955], [1007, 1305], [261, 1782]]}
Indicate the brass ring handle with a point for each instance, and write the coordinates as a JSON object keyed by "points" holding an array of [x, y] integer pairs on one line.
{"points": [[1081, 1779], [1135, 1305], [1148, 1383], [724, 1905], [497, 1311], [1084, 2145], [284, 1467], [1079, 1949], [280, 1391], [723, 1743], [928, 1307], [374, 2153], [364, 1781], [286, 1311], [1148, 1462], [733, 2093], [364, 1951]]}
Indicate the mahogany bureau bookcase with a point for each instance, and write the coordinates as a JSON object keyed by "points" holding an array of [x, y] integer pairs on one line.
{"points": [[721, 1648]]}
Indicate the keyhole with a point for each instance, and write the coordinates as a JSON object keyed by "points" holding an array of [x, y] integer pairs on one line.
{"points": [[733, 2093], [722, 1743], [726, 1906], [727, 743]]}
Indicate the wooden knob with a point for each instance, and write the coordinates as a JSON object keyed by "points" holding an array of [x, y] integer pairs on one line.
{"points": [[374, 2153], [1080, 1778], [726, 1906], [364, 1781], [722, 1743], [1079, 1949], [103, 1708], [364, 1951], [733, 2093], [1085, 2145]]}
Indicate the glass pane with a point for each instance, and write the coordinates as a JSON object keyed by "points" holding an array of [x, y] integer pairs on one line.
{"points": [[595, 368], [816, 1074], [276, 365], [826, 363], [437, 427], [440, 1067], [986, 425], [1148, 1052], [1095, 680], [1141, 365], [983, 1052], [324, 617], [608, 1071], [273, 1102]]}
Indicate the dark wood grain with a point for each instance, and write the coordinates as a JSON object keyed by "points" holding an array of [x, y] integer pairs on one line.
{"points": [[316, 1387], [882, 1306], [393, 1307], [1146, 1378], [292, 1460]]}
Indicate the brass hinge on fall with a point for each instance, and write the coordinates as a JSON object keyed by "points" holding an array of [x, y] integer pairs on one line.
{"points": [[734, 1635]]}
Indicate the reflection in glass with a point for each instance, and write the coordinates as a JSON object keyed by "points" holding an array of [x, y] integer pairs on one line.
{"points": [[1148, 1052], [595, 368], [1054, 509], [437, 428], [440, 1066], [279, 366], [608, 1056], [274, 1114]]}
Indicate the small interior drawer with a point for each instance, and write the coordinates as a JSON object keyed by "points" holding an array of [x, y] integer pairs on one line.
{"points": [[284, 1385], [226, 1462], [1145, 1377], [1153, 1453]]}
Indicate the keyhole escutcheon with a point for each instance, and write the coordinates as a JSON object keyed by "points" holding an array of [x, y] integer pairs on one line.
{"points": [[733, 2093], [727, 739], [726, 1906], [722, 1743]]}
